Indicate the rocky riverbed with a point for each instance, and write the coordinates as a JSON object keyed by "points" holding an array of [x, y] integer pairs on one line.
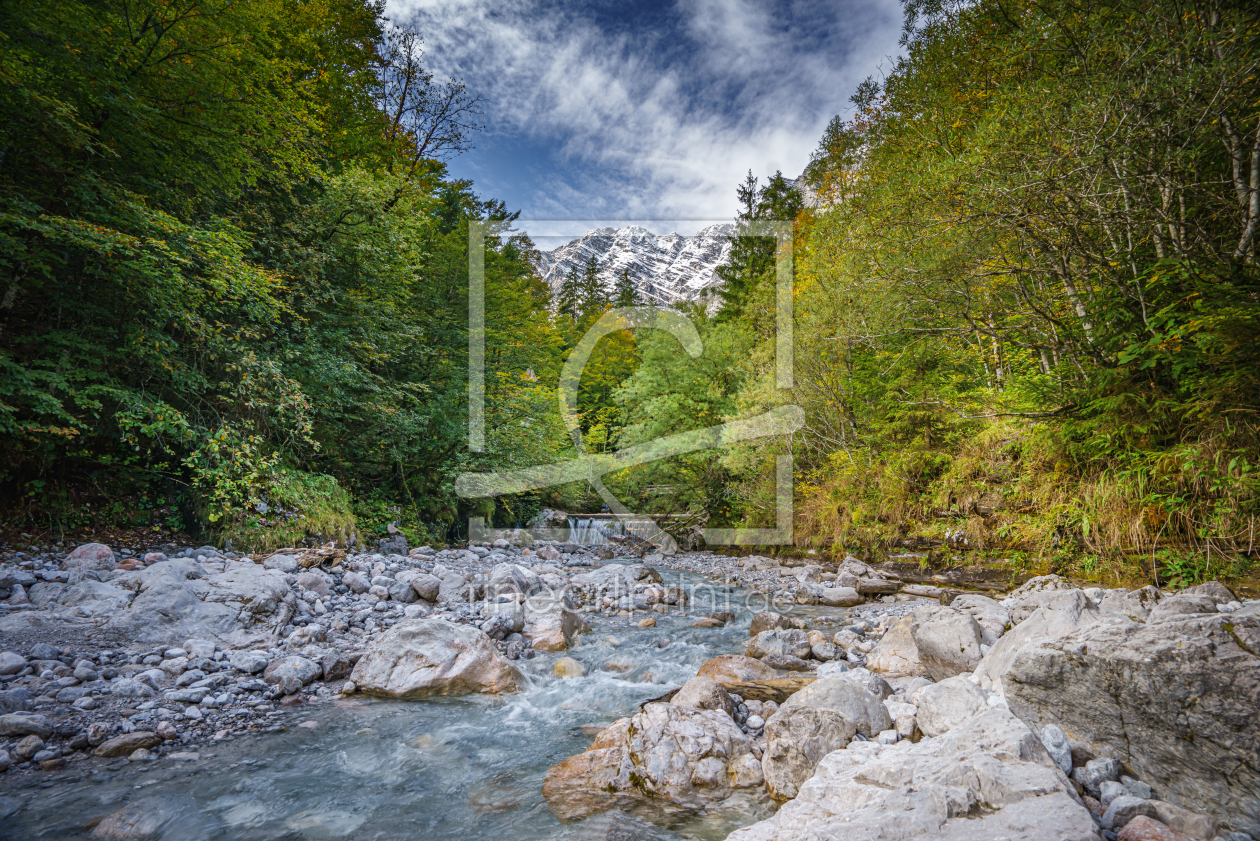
{"points": [[809, 701]]}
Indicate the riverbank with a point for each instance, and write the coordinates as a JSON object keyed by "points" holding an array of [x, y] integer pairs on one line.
{"points": [[123, 668]]}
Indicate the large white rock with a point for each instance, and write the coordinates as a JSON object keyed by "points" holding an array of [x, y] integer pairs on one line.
{"points": [[1134, 605], [418, 658], [94, 599], [848, 697], [704, 693], [169, 602], [797, 738], [948, 641], [988, 613], [1061, 613], [96, 556], [948, 704], [1035, 593], [790, 643], [896, 653], [665, 757], [512, 580], [986, 780], [1174, 700], [551, 624]]}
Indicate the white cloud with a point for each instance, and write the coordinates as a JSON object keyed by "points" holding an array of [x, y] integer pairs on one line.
{"points": [[642, 128]]}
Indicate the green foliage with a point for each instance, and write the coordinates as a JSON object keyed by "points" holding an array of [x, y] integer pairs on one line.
{"points": [[994, 260], [230, 261], [752, 259], [624, 293], [286, 508], [671, 392]]}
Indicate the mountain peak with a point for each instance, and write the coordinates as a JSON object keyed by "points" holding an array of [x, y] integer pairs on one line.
{"points": [[666, 268]]}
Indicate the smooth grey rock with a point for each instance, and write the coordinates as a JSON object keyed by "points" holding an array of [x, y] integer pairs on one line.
{"points": [[512, 579], [22, 724], [293, 666], [1040, 584], [356, 582], [948, 641], [188, 696], [281, 562], [704, 693], [987, 779], [199, 649], [847, 696], [1109, 790], [426, 586], [790, 642], [787, 663], [896, 653], [768, 620], [314, 581], [1137, 788], [250, 662], [869, 681], [28, 747], [1215, 590], [1173, 700], [1061, 612], [550, 624], [1124, 809], [96, 556], [1095, 772], [825, 651], [402, 592], [177, 600], [832, 668], [797, 738], [992, 618], [948, 704], [15, 700], [1057, 745], [421, 657], [455, 589], [11, 662], [1135, 605], [1182, 604], [840, 596]]}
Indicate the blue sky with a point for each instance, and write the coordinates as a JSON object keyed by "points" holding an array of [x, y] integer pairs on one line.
{"points": [[608, 112]]}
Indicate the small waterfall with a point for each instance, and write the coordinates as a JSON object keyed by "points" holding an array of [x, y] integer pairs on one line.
{"points": [[589, 531]]}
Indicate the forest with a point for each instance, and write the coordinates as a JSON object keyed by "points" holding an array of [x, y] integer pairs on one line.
{"points": [[234, 293]]}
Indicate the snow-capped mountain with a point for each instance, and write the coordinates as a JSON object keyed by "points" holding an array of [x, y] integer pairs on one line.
{"points": [[667, 268]]}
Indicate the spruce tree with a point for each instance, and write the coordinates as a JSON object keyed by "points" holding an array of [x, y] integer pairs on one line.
{"points": [[753, 257], [624, 293], [569, 301], [593, 298]]}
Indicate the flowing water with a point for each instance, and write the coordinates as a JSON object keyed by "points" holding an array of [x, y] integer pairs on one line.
{"points": [[452, 768]]}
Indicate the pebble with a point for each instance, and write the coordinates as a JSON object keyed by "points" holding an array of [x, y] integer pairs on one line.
{"points": [[28, 747], [1093, 773]]}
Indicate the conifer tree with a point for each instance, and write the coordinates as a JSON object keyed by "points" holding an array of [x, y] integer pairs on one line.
{"points": [[569, 301], [593, 298], [624, 293], [753, 258]]}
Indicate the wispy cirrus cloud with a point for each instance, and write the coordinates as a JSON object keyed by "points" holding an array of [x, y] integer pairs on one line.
{"points": [[641, 111]]}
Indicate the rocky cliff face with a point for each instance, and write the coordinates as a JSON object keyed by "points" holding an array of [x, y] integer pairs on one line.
{"points": [[666, 268]]}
